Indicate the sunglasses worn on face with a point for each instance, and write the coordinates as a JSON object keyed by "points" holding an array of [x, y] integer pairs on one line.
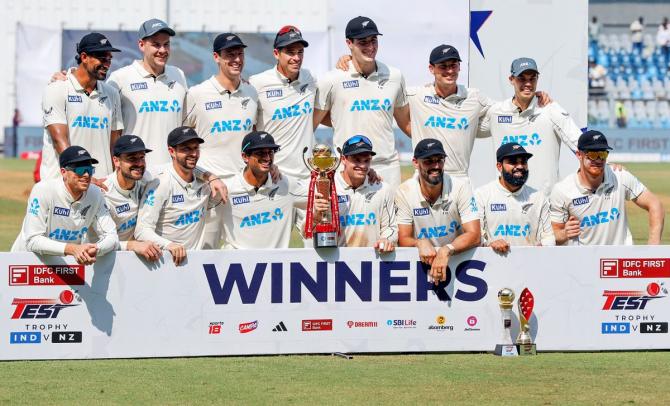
{"points": [[81, 170], [358, 138], [595, 155]]}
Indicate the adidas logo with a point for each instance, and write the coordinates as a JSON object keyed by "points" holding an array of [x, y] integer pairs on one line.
{"points": [[280, 327]]}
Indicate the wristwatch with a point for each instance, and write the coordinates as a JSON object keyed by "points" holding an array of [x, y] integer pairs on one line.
{"points": [[451, 249]]}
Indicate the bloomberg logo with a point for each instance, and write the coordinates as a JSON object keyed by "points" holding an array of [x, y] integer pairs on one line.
{"points": [[351, 279]]}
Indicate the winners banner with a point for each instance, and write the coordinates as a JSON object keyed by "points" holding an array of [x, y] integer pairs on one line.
{"points": [[333, 300]]}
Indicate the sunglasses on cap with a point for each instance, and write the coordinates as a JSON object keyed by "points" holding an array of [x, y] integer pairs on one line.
{"points": [[595, 155], [81, 170], [358, 138], [288, 28]]}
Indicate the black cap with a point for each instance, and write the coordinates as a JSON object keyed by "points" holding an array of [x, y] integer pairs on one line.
{"points": [[74, 155], [357, 144], [511, 149], [443, 53], [182, 134], [257, 140], [288, 35], [593, 141], [127, 144], [227, 40], [428, 147], [95, 42], [361, 27], [153, 26]]}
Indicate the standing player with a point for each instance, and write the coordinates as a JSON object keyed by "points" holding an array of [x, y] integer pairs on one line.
{"points": [[152, 92], [82, 110], [539, 129], [510, 212], [62, 211], [173, 209], [286, 94], [588, 207], [365, 99], [367, 211], [436, 212], [223, 110]]}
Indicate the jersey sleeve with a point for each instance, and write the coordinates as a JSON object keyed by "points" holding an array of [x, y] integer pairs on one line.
{"points": [[150, 209], [481, 211], [299, 189], [388, 223], [34, 230], [467, 205], [484, 128], [401, 98], [105, 228], [564, 126], [485, 103], [114, 81], [189, 109], [558, 206], [323, 98], [545, 233], [632, 185], [117, 115], [403, 210], [54, 101]]}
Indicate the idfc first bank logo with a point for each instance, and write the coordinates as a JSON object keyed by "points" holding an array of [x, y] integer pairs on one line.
{"points": [[42, 308]]}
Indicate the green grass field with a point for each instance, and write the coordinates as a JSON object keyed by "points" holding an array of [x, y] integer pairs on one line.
{"points": [[569, 378]]}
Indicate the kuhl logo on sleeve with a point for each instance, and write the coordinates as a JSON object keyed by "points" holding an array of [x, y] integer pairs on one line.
{"points": [[274, 93], [61, 211], [423, 211], [138, 86], [213, 105], [505, 119], [580, 201], [350, 84], [74, 99], [498, 207]]}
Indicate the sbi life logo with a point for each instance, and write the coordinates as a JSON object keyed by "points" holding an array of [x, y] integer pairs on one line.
{"points": [[358, 219], [371, 105], [439, 231], [264, 217], [523, 139], [295, 110], [63, 234], [593, 220], [223, 126], [163, 106], [99, 123], [512, 230], [450, 123]]}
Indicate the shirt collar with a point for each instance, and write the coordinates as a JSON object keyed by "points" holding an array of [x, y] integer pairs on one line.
{"points": [[80, 89], [65, 195], [461, 93], [339, 179], [446, 186], [284, 80], [507, 192], [220, 88], [608, 180], [184, 184], [530, 110], [355, 74], [251, 188], [118, 188], [145, 73]]}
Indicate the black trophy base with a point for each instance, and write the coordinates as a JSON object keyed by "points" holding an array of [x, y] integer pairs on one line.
{"points": [[506, 350], [325, 240], [526, 349]]}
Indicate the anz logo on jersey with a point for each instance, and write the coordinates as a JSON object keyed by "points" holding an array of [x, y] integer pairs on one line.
{"points": [[594, 220], [295, 110], [371, 105], [358, 219], [128, 225], [63, 234], [190, 218], [523, 139], [230, 125], [450, 123], [163, 106], [439, 231], [264, 217], [99, 123], [512, 230]]}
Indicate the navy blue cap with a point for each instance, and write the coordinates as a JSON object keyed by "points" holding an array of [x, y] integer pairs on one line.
{"points": [[127, 144], [357, 144], [593, 141], [74, 155], [428, 147], [153, 26], [361, 27], [511, 149], [258, 140], [288, 35], [521, 65], [182, 134], [95, 42], [443, 53], [227, 40]]}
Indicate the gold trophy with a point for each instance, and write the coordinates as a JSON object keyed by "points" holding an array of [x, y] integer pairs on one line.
{"points": [[506, 302], [524, 341], [326, 227]]}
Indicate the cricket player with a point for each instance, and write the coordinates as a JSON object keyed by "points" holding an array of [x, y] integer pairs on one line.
{"points": [[61, 212], [436, 212], [82, 110], [173, 209], [511, 212], [540, 130], [588, 207], [367, 211], [365, 99]]}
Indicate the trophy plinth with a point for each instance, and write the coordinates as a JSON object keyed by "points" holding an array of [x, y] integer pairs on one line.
{"points": [[323, 227], [506, 348]]}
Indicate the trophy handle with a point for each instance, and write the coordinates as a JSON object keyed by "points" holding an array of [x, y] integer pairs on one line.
{"points": [[339, 158]]}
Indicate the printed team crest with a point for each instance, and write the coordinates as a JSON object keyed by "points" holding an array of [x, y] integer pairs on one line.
{"points": [[272, 193], [133, 139], [263, 136], [303, 88], [532, 117], [382, 83], [103, 41], [369, 196], [445, 206], [82, 152], [185, 130], [429, 145], [230, 37], [445, 50], [171, 84], [609, 190], [516, 146], [526, 207], [365, 23], [102, 99], [245, 102], [48, 111], [85, 210]]}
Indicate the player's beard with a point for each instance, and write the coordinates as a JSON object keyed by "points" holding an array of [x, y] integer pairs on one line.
{"points": [[515, 180]]}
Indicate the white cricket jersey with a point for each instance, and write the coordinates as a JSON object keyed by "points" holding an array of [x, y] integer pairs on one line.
{"points": [[152, 105], [123, 206], [261, 218], [54, 219], [540, 130], [222, 119], [90, 120], [285, 110], [440, 222], [367, 213], [360, 105], [520, 218], [173, 210], [453, 120], [602, 214]]}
